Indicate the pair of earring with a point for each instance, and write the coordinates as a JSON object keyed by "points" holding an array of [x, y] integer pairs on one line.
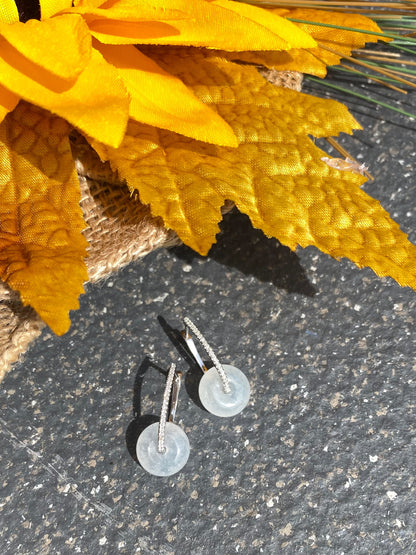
{"points": [[163, 447]]}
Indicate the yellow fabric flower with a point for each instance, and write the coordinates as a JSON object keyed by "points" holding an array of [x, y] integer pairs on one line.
{"points": [[184, 126]]}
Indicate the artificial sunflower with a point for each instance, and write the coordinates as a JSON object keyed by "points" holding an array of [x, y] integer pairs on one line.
{"points": [[169, 93]]}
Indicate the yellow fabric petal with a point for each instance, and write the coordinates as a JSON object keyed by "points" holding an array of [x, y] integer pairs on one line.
{"points": [[8, 12], [160, 99], [129, 10], [97, 103], [224, 26], [289, 60], [125, 21], [315, 60], [286, 30], [8, 101], [88, 3], [332, 35], [52, 7], [61, 45], [110, 31], [41, 245]]}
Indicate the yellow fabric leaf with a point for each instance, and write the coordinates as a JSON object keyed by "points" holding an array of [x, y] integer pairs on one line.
{"points": [[160, 99], [219, 83], [276, 176], [40, 41], [97, 103], [41, 245], [223, 25], [315, 60]]}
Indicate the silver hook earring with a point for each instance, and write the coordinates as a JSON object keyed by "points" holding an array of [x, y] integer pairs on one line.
{"points": [[223, 390], [163, 447]]}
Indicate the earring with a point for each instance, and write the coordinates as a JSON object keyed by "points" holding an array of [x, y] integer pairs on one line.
{"points": [[163, 447], [223, 390]]}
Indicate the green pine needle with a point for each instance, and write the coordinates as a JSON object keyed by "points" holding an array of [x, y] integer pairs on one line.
{"points": [[400, 42], [367, 75], [362, 96], [355, 30]]}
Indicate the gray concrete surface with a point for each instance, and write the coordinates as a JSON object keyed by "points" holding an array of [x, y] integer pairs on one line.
{"points": [[321, 461]]}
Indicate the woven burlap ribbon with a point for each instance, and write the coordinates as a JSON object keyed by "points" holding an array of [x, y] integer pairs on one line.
{"points": [[119, 230]]}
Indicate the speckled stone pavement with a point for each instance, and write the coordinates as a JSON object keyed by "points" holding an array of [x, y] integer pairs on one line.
{"points": [[321, 461]]}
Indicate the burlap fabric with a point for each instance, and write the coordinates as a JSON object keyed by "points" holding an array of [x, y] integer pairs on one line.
{"points": [[118, 230]]}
